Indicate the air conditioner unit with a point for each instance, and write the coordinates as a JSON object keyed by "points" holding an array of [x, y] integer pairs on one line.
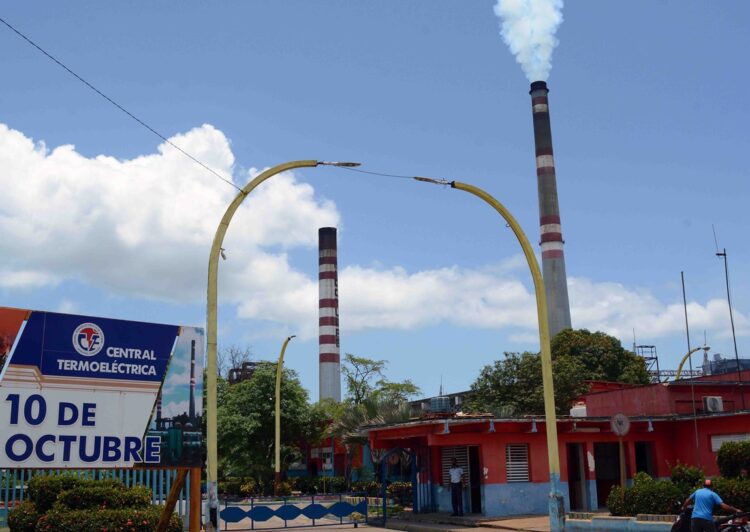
{"points": [[713, 403]]}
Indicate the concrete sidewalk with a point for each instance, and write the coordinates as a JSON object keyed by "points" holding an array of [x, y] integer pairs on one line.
{"points": [[534, 524], [446, 523]]}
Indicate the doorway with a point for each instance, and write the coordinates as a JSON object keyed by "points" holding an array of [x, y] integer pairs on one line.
{"points": [[576, 477], [475, 482], [607, 459], [644, 457]]}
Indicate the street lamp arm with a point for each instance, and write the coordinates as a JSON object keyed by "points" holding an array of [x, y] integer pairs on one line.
{"points": [[211, 319], [544, 337], [685, 359]]}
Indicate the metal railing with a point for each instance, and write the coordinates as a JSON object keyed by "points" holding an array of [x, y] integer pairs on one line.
{"points": [[296, 511]]}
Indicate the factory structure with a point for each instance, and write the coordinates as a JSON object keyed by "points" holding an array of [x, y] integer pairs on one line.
{"points": [[181, 435], [553, 257], [328, 316]]}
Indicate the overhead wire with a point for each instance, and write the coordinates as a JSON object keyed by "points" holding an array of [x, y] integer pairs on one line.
{"points": [[120, 107], [436, 181]]}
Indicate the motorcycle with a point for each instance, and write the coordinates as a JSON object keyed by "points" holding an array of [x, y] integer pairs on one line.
{"points": [[733, 523], [682, 523]]}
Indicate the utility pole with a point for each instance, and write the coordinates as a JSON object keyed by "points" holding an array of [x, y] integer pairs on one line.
{"points": [[723, 254]]}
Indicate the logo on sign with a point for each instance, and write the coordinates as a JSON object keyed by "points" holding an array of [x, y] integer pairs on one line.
{"points": [[88, 339]]}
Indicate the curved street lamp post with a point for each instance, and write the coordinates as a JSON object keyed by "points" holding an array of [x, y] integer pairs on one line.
{"points": [[211, 319], [556, 505], [277, 456]]}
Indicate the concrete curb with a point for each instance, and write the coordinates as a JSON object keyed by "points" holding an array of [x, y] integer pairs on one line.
{"points": [[411, 526]]}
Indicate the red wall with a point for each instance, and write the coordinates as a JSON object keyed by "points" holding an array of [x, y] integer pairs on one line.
{"points": [[660, 399], [673, 442]]}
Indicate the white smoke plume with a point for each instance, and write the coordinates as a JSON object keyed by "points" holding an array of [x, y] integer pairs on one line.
{"points": [[528, 28]]}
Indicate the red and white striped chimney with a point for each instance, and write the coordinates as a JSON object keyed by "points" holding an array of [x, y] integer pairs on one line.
{"points": [[553, 258], [328, 316]]}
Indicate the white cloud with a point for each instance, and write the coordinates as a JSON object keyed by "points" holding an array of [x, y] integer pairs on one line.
{"points": [[144, 226], [613, 308], [67, 306]]}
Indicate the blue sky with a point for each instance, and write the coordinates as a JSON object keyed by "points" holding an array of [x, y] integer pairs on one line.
{"points": [[650, 139]]}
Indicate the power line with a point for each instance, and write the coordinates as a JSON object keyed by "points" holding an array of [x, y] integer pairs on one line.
{"points": [[437, 181], [375, 173], [120, 107]]}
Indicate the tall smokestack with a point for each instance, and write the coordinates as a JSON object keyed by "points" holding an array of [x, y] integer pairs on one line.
{"points": [[192, 382], [328, 313], [553, 258], [159, 421]]}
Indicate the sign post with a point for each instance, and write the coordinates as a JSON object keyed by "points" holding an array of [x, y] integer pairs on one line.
{"points": [[620, 426]]}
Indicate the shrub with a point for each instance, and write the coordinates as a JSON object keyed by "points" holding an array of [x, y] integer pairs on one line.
{"points": [[87, 497], [333, 484], [687, 478], [733, 459], [230, 486], [619, 501], [646, 496], [733, 491], [249, 488], [306, 485], [44, 489], [23, 517], [368, 487], [96, 520], [285, 488], [400, 492]]}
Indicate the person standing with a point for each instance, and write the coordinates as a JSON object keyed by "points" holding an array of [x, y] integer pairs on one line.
{"points": [[457, 485], [704, 501]]}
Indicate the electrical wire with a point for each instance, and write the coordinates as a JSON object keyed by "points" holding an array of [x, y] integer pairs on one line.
{"points": [[436, 181], [120, 107], [382, 174]]}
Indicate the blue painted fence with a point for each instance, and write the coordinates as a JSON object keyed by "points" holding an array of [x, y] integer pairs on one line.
{"points": [[14, 483], [296, 512]]}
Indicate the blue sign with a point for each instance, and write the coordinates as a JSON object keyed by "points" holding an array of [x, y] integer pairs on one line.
{"points": [[98, 348]]}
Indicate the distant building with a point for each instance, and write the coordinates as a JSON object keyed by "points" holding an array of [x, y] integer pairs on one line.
{"points": [[720, 365], [448, 403], [243, 373]]}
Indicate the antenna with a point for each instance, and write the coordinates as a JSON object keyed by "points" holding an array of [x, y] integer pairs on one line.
{"points": [[441, 385], [634, 349], [716, 241]]}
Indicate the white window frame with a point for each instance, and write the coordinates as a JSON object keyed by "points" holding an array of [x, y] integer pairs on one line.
{"points": [[718, 439], [517, 462]]}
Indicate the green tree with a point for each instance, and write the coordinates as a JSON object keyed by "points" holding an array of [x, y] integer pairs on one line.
{"points": [[602, 356], [371, 400], [365, 379], [246, 424], [359, 373], [513, 385]]}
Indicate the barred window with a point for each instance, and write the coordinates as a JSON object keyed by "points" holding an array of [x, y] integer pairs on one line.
{"points": [[461, 454], [517, 462]]}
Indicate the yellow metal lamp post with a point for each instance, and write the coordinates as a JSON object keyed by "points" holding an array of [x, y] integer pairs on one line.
{"points": [[212, 320], [277, 457], [556, 506], [685, 359]]}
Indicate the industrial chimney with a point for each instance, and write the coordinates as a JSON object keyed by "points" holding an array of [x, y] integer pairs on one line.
{"points": [[553, 258], [191, 413], [159, 422], [328, 313]]}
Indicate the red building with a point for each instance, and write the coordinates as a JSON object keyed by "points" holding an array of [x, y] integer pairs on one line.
{"points": [[505, 460]]}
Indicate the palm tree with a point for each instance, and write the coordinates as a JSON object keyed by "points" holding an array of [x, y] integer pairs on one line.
{"points": [[350, 426]]}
